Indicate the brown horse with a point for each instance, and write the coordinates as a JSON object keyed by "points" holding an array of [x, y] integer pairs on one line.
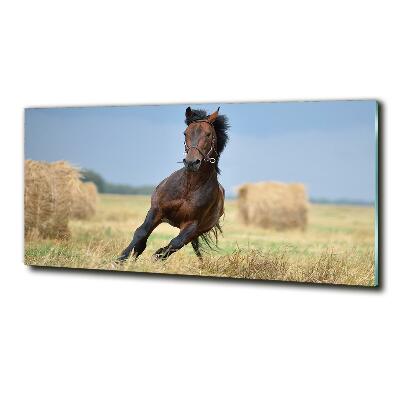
{"points": [[190, 199]]}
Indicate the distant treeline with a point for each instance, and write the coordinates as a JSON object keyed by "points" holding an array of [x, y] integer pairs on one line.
{"points": [[106, 187], [103, 186], [342, 201]]}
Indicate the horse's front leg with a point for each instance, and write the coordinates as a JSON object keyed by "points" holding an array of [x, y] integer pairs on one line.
{"points": [[139, 241], [188, 233]]}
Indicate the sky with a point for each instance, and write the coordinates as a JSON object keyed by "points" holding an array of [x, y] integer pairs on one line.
{"points": [[327, 145]]}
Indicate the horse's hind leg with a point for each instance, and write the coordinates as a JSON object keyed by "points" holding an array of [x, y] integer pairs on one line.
{"points": [[139, 241], [186, 235], [196, 248]]}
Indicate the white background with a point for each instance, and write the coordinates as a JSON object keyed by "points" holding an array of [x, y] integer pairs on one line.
{"points": [[67, 335]]}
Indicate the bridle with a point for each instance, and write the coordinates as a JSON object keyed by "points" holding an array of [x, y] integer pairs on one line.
{"points": [[206, 157]]}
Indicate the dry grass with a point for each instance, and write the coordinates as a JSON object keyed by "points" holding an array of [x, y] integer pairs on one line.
{"points": [[327, 267], [48, 198], [273, 205], [337, 247]]}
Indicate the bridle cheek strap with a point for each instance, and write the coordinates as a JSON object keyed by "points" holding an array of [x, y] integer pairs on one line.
{"points": [[206, 157]]}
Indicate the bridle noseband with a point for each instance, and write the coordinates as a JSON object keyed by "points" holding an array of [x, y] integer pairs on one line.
{"points": [[206, 157]]}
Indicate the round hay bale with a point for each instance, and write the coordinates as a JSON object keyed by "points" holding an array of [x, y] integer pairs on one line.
{"points": [[84, 201], [273, 205], [48, 198]]}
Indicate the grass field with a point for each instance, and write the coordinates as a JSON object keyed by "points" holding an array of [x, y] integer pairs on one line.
{"points": [[337, 247]]}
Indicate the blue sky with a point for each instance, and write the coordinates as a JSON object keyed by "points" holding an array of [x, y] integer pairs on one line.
{"points": [[327, 145]]}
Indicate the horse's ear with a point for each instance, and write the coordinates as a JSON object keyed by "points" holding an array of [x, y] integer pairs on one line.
{"points": [[188, 113], [211, 118]]}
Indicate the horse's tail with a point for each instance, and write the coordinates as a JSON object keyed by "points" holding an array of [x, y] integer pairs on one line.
{"points": [[210, 238]]}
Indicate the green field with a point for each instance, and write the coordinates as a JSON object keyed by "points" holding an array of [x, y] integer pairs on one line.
{"points": [[337, 247]]}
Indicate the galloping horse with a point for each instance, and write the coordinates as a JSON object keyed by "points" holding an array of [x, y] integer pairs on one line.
{"points": [[190, 199]]}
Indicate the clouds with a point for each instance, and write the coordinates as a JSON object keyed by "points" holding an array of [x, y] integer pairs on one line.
{"points": [[339, 165], [329, 146]]}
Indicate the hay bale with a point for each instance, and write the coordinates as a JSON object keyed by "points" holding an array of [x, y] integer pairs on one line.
{"points": [[49, 189], [84, 201], [273, 205]]}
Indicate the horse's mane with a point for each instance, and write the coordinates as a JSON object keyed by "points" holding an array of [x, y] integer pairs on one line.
{"points": [[221, 127]]}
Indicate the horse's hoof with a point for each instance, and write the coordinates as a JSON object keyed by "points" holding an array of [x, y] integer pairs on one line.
{"points": [[157, 257]]}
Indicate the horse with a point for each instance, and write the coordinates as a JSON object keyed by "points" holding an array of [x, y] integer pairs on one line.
{"points": [[191, 198]]}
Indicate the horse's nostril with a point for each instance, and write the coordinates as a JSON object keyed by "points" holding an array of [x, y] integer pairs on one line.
{"points": [[197, 162]]}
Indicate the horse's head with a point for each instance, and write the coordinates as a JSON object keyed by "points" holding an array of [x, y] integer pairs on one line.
{"points": [[200, 141]]}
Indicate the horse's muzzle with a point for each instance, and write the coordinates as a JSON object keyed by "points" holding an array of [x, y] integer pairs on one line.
{"points": [[192, 166]]}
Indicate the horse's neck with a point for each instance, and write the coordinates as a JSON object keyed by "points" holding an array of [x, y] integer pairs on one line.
{"points": [[205, 176]]}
